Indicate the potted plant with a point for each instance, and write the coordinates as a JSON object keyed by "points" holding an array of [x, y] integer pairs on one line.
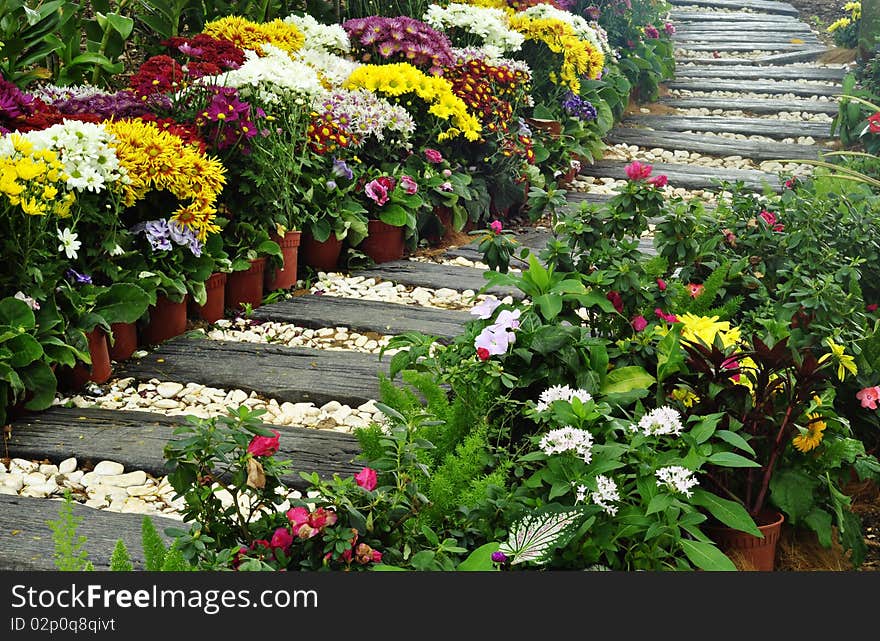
{"points": [[392, 201]]}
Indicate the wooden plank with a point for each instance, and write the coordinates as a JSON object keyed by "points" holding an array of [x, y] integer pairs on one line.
{"points": [[690, 176], [746, 26], [711, 145], [747, 126], [797, 88], [137, 441], [435, 275], [732, 47], [766, 6], [745, 35], [295, 374], [776, 72], [793, 56], [26, 538], [364, 315], [693, 16], [768, 106], [715, 62]]}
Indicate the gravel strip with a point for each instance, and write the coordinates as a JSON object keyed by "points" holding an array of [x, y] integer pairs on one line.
{"points": [[328, 338], [793, 116], [687, 93], [683, 157]]}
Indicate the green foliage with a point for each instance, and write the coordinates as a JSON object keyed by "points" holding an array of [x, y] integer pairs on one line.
{"points": [[154, 547], [70, 554], [120, 560]]}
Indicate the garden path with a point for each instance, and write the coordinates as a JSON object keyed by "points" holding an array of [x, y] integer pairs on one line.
{"points": [[748, 95]]}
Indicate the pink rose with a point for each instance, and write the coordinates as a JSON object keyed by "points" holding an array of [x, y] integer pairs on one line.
{"points": [[377, 192], [658, 181], [433, 156], [869, 397], [297, 516], [264, 445], [616, 300], [637, 171], [409, 185], [366, 479], [282, 539], [669, 318], [768, 217], [639, 323], [495, 226], [661, 284], [321, 518]]}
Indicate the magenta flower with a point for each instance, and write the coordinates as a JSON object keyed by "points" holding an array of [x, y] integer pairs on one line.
{"points": [[366, 479], [669, 318], [282, 539], [658, 181], [669, 28], [661, 284], [638, 171], [377, 192], [409, 185], [639, 323], [495, 226], [616, 300], [652, 32], [483, 354], [768, 217], [871, 308], [264, 445], [433, 156], [499, 557]]}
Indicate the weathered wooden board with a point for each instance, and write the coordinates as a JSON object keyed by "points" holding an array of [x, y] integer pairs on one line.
{"points": [[726, 45], [693, 16], [685, 38], [137, 441], [771, 128], [746, 26], [295, 374], [792, 56], [799, 89], [766, 6], [769, 106], [711, 145], [743, 72], [26, 538], [435, 276], [690, 176], [364, 315], [716, 62]]}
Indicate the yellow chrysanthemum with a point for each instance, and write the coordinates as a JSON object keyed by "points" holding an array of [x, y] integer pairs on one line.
{"points": [[706, 328], [401, 78], [32, 180], [845, 362], [685, 396], [811, 435], [838, 24], [156, 159], [252, 35]]}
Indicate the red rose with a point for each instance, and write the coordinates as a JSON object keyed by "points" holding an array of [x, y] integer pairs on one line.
{"points": [[874, 123], [366, 479], [483, 353], [264, 445], [616, 300], [282, 539]]}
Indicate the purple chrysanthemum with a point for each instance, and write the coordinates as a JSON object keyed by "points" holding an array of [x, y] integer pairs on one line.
{"points": [[578, 107]]}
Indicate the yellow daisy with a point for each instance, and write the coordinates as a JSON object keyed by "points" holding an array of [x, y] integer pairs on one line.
{"points": [[811, 435]]}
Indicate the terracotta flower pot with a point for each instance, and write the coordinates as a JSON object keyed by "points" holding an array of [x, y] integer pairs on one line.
{"points": [[167, 320], [99, 371], [752, 552], [384, 242], [246, 287], [284, 277], [125, 341], [215, 304], [320, 255]]}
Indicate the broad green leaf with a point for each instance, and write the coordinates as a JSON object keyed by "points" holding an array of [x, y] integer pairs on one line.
{"points": [[25, 350], [626, 379], [792, 491], [707, 556], [39, 378], [729, 459], [381, 567], [394, 215], [16, 313], [736, 440], [820, 522], [122, 303], [730, 513], [550, 304], [659, 503], [703, 430], [480, 560]]}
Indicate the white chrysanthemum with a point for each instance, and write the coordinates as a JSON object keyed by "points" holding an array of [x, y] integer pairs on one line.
{"points": [[487, 24], [584, 30], [581, 494], [606, 494], [561, 393], [53, 93], [87, 151], [663, 420], [366, 114], [677, 478], [334, 69], [568, 439], [328, 37], [271, 78]]}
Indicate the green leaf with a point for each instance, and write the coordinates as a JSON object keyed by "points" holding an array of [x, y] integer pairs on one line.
{"points": [[122, 24], [394, 215], [550, 304], [730, 513], [706, 556], [729, 459], [423, 560], [659, 503], [820, 522], [122, 303], [792, 491], [627, 379], [703, 430], [381, 567], [25, 350], [39, 378], [480, 560], [736, 440], [16, 314]]}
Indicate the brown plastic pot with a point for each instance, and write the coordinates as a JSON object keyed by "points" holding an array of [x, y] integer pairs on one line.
{"points": [[284, 277], [167, 320], [384, 242], [215, 302], [320, 255], [752, 552], [246, 286], [125, 341]]}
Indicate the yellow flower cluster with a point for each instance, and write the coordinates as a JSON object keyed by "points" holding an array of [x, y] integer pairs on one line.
{"points": [[252, 35], [34, 180], [854, 8], [398, 79], [491, 4], [706, 328], [838, 24], [158, 160], [579, 57]]}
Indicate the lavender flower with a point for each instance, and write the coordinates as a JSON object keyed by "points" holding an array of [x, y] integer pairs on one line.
{"points": [[183, 235], [577, 107], [76, 101], [342, 170], [485, 309], [79, 279], [158, 234], [499, 557]]}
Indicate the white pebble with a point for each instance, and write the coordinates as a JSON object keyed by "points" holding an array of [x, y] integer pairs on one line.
{"points": [[67, 466]]}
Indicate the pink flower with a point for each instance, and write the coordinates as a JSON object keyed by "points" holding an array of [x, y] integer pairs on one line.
{"points": [[366, 478], [695, 289], [669, 318], [616, 300], [791, 183], [768, 217], [661, 284], [447, 173], [639, 323], [377, 556], [652, 32], [871, 308], [669, 28], [483, 354], [658, 181], [874, 123], [321, 518], [637, 171], [264, 445], [869, 397], [446, 186], [434, 156], [297, 516], [282, 539], [377, 192], [778, 227], [495, 226], [494, 340], [409, 185]]}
